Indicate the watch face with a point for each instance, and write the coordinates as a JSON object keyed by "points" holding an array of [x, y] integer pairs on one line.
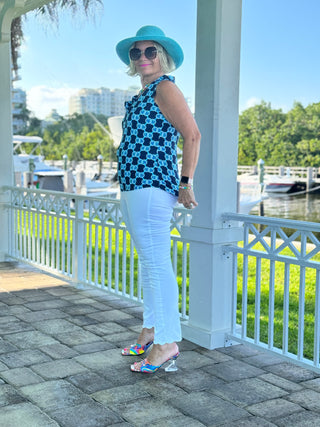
{"points": [[184, 179]]}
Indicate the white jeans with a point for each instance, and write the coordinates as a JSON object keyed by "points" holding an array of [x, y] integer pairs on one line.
{"points": [[147, 213]]}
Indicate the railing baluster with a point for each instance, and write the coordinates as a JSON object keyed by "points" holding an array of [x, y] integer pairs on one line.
{"points": [[174, 256], [316, 351], [33, 239], [124, 262], [43, 243], [25, 234], [28, 234], [47, 239], [139, 290], [21, 231], [38, 238], [110, 258], [116, 261], [96, 255], [131, 257], [234, 293], [57, 241], [271, 305], [89, 262], [103, 252], [286, 299], [244, 296], [301, 313], [69, 261], [52, 264], [17, 232], [63, 245], [184, 280], [257, 302]]}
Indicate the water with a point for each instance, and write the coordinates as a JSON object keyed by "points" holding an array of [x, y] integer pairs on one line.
{"points": [[305, 207]]}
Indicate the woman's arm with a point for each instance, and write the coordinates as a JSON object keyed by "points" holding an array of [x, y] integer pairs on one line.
{"points": [[175, 109]]}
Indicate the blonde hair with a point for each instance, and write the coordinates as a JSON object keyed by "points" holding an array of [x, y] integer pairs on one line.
{"points": [[166, 62]]}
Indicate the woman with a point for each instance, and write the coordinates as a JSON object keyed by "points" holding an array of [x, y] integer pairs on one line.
{"points": [[150, 184]]}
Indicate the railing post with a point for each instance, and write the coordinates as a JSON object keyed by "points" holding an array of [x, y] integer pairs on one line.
{"points": [[81, 183], [68, 181], [100, 164], [78, 244], [309, 178], [65, 162]]}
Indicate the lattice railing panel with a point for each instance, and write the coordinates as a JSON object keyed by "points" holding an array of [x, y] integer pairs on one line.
{"points": [[276, 286], [86, 239]]}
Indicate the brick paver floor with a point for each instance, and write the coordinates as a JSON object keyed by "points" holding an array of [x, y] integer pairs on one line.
{"points": [[61, 365]]}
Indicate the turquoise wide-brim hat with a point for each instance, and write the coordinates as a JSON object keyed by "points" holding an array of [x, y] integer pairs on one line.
{"points": [[150, 32]]}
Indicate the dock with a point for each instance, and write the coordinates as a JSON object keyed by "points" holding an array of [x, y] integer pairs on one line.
{"points": [[306, 178]]}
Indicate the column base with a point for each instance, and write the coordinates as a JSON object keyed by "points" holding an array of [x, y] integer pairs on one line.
{"points": [[207, 339]]}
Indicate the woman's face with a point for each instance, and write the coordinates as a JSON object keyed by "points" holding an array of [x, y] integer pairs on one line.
{"points": [[147, 67]]}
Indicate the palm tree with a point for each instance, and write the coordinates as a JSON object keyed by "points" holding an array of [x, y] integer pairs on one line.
{"points": [[51, 12]]}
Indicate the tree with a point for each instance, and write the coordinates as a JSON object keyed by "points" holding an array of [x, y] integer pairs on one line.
{"points": [[50, 11], [258, 127], [77, 136], [291, 139]]}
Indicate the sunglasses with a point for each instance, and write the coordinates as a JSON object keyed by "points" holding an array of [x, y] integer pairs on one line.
{"points": [[149, 53]]}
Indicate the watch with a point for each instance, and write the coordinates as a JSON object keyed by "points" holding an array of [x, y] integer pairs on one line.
{"points": [[185, 180]]}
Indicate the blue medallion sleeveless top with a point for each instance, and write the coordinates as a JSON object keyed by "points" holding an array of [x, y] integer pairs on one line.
{"points": [[147, 155]]}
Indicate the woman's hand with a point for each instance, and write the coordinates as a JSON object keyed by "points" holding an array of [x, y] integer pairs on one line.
{"points": [[186, 197]]}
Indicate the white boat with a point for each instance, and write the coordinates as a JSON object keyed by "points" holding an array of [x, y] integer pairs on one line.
{"points": [[48, 177], [271, 183], [249, 197], [45, 176], [98, 188]]}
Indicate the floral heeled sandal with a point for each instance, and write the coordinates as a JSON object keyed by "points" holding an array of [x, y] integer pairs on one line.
{"points": [[136, 349], [147, 368]]}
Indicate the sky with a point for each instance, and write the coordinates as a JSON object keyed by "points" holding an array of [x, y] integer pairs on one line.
{"points": [[279, 64]]}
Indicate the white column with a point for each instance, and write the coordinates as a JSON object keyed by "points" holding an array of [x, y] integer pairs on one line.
{"points": [[6, 160], [217, 90]]}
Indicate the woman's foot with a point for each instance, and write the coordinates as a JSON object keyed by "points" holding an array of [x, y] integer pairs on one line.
{"points": [[145, 340], [146, 336], [157, 357]]}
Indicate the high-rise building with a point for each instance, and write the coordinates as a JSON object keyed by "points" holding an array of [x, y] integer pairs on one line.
{"points": [[109, 102], [19, 105]]}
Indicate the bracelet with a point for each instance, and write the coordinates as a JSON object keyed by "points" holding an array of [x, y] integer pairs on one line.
{"points": [[185, 187]]}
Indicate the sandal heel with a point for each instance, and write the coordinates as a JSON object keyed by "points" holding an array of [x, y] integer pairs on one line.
{"points": [[172, 367], [146, 367]]}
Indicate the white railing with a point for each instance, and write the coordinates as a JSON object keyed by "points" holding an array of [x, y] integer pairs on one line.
{"points": [[295, 172], [90, 167], [276, 286], [85, 239], [276, 268]]}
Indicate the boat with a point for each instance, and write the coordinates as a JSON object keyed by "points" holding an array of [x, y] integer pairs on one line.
{"points": [[271, 183], [44, 176], [249, 199], [98, 188], [47, 177]]}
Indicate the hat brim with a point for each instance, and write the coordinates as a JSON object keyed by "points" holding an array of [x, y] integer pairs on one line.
{"points": [[170, 45]]}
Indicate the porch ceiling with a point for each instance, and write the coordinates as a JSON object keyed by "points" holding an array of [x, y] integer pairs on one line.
{"points": [[10, 9]]}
